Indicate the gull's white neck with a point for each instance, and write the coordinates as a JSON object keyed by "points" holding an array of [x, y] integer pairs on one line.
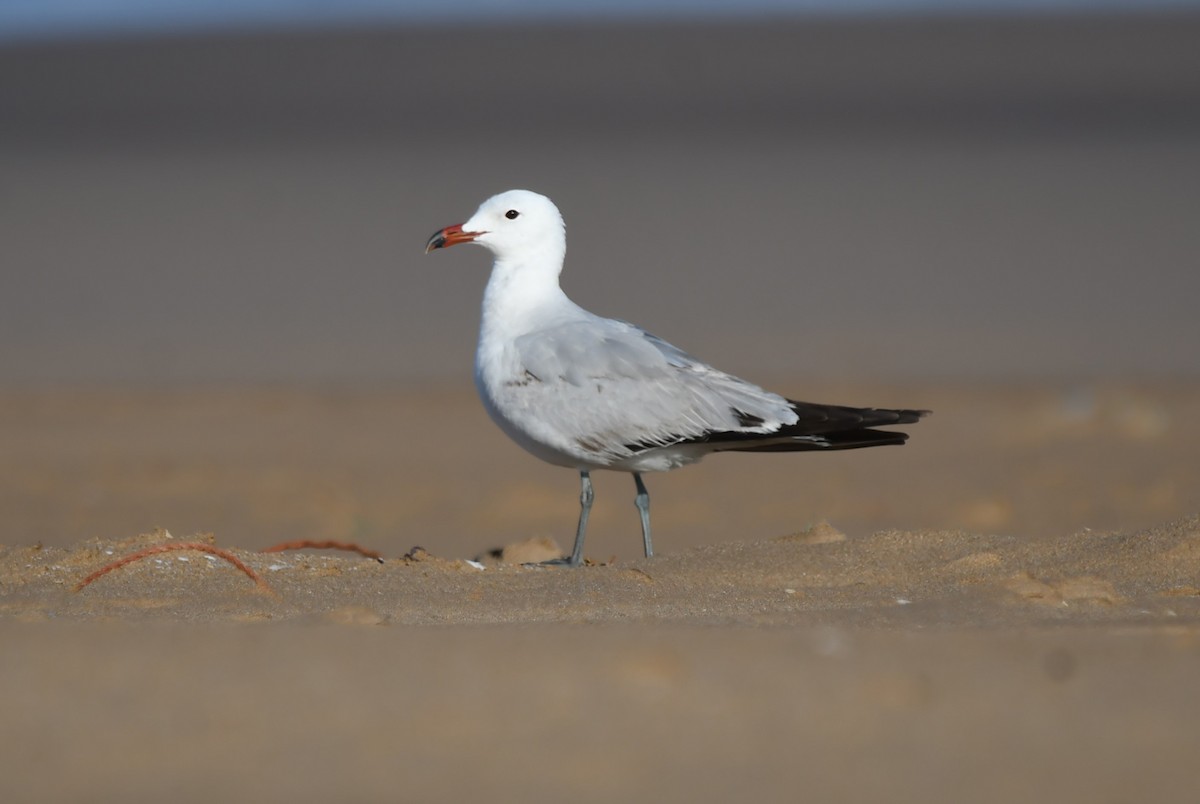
{"points": [[523, 293]]}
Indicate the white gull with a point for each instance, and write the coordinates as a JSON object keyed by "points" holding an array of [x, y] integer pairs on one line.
{"points": [[586, 392]]}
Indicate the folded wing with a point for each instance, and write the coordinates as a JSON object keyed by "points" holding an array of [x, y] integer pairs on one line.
{"points": [[619, 390]]}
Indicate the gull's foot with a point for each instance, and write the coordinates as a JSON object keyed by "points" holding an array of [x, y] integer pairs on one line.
{"points": [[565, 561]]}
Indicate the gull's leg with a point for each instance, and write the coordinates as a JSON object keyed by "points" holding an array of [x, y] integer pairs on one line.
{"points": [[585, 507], [642, 501], [586, 495]]}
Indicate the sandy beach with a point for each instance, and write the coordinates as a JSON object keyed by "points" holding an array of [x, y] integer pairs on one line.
{"points": [[908, 624], [217, 328]]}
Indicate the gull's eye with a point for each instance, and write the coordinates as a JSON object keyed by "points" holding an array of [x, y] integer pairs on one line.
{"points": [[512, 213]]}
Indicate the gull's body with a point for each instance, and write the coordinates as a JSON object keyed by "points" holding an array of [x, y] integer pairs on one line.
{"points": [[586, 392]]}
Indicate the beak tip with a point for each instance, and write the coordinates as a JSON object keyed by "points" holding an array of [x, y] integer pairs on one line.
{"points": [[437, 241], [449, 236]]}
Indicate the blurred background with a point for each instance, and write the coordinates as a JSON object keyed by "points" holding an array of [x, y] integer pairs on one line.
{"points": [[241, 191], [236, 195]]}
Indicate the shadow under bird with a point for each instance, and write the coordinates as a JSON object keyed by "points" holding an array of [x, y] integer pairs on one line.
{"points": [[586, 392]]}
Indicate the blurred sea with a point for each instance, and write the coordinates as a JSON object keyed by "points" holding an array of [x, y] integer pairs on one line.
{"points": [[871, 198]]}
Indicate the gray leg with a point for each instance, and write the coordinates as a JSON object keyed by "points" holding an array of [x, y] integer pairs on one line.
{"points": [[642, 501], [586, 495]]}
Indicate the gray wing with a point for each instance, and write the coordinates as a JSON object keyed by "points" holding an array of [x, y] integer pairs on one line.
{"points": [[614, 389]]}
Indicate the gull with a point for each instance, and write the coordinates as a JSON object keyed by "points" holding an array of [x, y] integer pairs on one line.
{"points": [[586, 392]]}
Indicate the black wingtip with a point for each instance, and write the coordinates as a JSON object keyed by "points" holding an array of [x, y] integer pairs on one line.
{"points": [[912, 416], [846, 439]]}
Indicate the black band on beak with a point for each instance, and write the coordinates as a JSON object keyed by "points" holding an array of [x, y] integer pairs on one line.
{"points": [[437, 241]]}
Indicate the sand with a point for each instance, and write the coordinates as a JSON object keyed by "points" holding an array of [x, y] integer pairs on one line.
{"points": [[972, 617]]}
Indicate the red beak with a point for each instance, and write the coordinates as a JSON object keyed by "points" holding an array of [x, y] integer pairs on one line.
{"points": [[450, 236]]}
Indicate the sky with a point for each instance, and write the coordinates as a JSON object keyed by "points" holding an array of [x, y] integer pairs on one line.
{"points": [[49, 19]]}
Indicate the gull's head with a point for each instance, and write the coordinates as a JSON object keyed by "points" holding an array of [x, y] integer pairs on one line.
{"points": [[514, 225]]}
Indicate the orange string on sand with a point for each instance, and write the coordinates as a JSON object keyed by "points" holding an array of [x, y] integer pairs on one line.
{"points": [[172, 546], [302, 544]]}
